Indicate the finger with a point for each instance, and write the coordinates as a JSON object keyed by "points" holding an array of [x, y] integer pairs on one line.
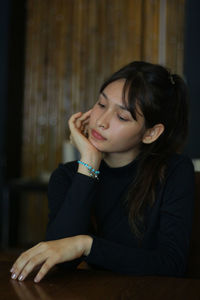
{"points": [[84, 128], [85, 123], [83, 118], [74, 117], [24, 258], [44, 269], [72, 121], [19, 265], [32, 263], [86, 114]]}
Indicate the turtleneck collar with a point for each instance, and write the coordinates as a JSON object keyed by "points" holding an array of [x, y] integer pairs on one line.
{"points": [[123, 171]]}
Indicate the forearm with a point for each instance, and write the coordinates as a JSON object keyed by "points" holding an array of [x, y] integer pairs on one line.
{"points": [[83, 245], [126, 260], [73, 216]]}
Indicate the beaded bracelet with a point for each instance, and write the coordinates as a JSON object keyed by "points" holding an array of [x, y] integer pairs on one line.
{"points": [[92, 171]]}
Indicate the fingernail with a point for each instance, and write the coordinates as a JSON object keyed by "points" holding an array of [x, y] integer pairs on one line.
{"points": [[20, 277], [11, 270], [37, 278], [14, 276]]}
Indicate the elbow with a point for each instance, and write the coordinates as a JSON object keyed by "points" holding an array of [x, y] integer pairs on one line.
{"points": [[172, 265]]}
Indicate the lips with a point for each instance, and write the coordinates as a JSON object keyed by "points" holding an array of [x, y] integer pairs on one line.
{"points": [[97, 135]]}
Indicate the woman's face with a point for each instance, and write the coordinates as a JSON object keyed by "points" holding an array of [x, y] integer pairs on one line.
{"points": [[112, 129]]}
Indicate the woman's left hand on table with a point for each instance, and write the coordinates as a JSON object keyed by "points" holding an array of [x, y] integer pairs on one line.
{"points": [[49, 254]]}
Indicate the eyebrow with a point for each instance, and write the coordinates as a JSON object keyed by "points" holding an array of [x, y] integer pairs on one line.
{"points": [[121, 106]]}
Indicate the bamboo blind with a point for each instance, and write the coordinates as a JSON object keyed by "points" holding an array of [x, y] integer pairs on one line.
{"points": [[71, 47]]}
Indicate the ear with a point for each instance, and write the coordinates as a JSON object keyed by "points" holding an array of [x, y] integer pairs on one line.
{"points": [[152, 134]]}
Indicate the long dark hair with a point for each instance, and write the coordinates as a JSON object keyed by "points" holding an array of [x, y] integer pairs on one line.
{"points": [[162, 98]]}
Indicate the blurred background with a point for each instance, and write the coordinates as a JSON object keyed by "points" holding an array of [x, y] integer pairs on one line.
{"points": [[54, 55]]}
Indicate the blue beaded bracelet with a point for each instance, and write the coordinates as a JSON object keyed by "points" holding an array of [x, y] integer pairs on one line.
{"points": [[93, 172]]}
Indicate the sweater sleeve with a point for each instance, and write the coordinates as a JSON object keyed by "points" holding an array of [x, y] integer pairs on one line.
{"points": [[70, 201], [70, 197], [169, 257]]}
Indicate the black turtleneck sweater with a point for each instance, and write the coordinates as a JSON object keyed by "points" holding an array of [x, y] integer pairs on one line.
{"points": [[73, 197]]}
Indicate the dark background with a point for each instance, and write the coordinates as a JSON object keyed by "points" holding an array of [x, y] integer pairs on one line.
{"points": [[12, 57], [12, 50], [192, 69]]}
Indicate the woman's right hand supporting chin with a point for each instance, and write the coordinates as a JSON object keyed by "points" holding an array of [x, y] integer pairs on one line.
{"points": [[78, 124]]}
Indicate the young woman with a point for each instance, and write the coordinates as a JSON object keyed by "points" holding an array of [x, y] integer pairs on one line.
{"points": [[130, 177]]}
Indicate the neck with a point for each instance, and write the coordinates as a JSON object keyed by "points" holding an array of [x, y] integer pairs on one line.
{"points": [[116, 160]]}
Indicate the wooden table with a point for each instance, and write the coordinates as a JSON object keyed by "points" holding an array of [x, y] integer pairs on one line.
{"points": [[95, 284]]}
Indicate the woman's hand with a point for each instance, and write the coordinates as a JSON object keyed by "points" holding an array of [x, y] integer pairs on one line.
{"points": [[78, 124], [49, 254]]}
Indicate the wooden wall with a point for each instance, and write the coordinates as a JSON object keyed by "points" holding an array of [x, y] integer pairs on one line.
{"points": [[71, 46], [175, 30]]}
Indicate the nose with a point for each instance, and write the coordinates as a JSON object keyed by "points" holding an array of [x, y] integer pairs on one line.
{"points": [[104, 120]]}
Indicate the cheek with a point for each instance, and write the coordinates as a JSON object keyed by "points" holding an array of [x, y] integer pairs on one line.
{"points": [[129, 135], [93, 116]]}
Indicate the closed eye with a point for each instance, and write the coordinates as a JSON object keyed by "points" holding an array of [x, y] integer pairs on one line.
{"points": [[101, 105], [119, 117], [122, 119]]}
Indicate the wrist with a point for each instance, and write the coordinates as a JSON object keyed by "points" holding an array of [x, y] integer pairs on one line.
{"points": [[91, 160], [86, 244], [90, 170], [89, 167]]}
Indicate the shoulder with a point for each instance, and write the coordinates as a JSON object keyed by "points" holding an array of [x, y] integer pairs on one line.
{"points": [[180, 176], [177, 191], [179, 162]]}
